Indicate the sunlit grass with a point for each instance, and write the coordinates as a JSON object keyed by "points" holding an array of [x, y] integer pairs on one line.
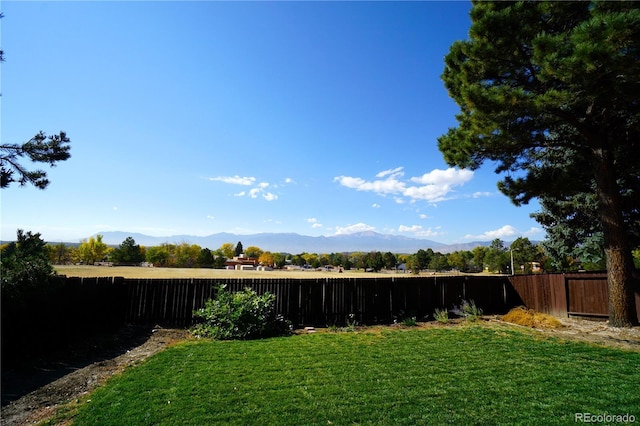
{"points": [[465, 375], [140, 272]]}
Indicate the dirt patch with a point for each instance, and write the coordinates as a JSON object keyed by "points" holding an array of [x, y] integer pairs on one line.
{"points": [[74, 381], [70, 380], [598, 332]]}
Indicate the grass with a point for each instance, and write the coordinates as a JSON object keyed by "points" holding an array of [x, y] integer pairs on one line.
{"points": [[473, 374], [139, 272]]}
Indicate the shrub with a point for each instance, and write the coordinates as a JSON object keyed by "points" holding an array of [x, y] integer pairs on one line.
{"points": [[351, 323], [468, 310], [531, 318], [240, 315], [410, 322], [441, 316]]}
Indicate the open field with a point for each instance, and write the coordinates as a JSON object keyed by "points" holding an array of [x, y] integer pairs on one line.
{"points": [[475, 374], [139, 272]]}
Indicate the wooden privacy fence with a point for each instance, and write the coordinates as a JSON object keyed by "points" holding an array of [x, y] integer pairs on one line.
{"points": [[577, 294], [321, 301], [44, 319]]}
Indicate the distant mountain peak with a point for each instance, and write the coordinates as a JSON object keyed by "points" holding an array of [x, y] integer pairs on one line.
{"points": [[293, 243]]}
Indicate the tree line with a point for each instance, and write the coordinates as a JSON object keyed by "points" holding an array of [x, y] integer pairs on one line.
{"points": [[496, 257]]}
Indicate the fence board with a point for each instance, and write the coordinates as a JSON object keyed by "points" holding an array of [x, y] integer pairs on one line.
{"points": [[583, 294], [320, 301]]}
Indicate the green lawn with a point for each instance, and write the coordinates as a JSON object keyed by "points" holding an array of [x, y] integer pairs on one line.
{"points": [[475, 374]]}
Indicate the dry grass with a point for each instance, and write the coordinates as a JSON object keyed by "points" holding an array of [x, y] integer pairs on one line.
{"points": [[139, 272], [531, 318]]}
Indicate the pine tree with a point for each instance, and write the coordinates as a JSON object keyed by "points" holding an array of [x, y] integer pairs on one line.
{"points": [[550, 91]]}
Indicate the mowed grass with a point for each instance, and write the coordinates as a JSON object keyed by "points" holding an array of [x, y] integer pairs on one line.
{"points": [[476, 374]]}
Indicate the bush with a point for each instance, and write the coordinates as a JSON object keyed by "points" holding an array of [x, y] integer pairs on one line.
{"points": [[241, 315], [351, 323], [468, 310], [442, 316], [410, 322]]}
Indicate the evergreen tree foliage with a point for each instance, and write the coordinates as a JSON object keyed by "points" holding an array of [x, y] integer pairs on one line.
{"points": [[550, 92], [239, 250], [25, 265], [39, 149], [128, 253]]}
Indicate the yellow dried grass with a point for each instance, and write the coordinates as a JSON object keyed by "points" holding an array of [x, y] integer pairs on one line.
{"points": [[531, 318]]}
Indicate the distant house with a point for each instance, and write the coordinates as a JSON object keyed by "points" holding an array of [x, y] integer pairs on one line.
{"points": [[241, 263]]}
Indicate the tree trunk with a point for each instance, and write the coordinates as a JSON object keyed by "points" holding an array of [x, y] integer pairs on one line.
{"points": [[622, 306]]}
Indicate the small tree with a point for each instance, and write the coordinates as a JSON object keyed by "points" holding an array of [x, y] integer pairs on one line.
{"points": [[497, 257], [205, 259], [227, 250], [253, 252], [92, 250], [59, 254], [239, 250], [128, 253], [25, 265], [219, 262], [390, 260], [266, 258]]}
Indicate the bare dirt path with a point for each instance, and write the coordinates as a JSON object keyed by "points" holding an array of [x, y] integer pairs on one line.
{"points": [[70, 381], [42, 403]]}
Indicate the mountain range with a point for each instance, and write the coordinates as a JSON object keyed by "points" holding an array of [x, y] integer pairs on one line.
{"points": [[296, 243]]}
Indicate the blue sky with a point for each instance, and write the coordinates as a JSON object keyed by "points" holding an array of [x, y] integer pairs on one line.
{"points": [[195, 118]]}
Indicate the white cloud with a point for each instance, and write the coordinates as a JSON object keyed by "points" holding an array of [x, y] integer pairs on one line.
{"points": [[439, 177], [255, 192], [423, 216], [532, 231], [210, 217], [288, 180], [235, 180], [390, 185], [481, 194], [314, 222], [432, 193], [375, 205], [352, 229], [412, 228], [433, 187], [419, 231], [393, 172], [507, 231]]}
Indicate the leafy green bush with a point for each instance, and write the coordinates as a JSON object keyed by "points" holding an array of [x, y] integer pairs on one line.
{"points": [[240, 315], [410, 322]]}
